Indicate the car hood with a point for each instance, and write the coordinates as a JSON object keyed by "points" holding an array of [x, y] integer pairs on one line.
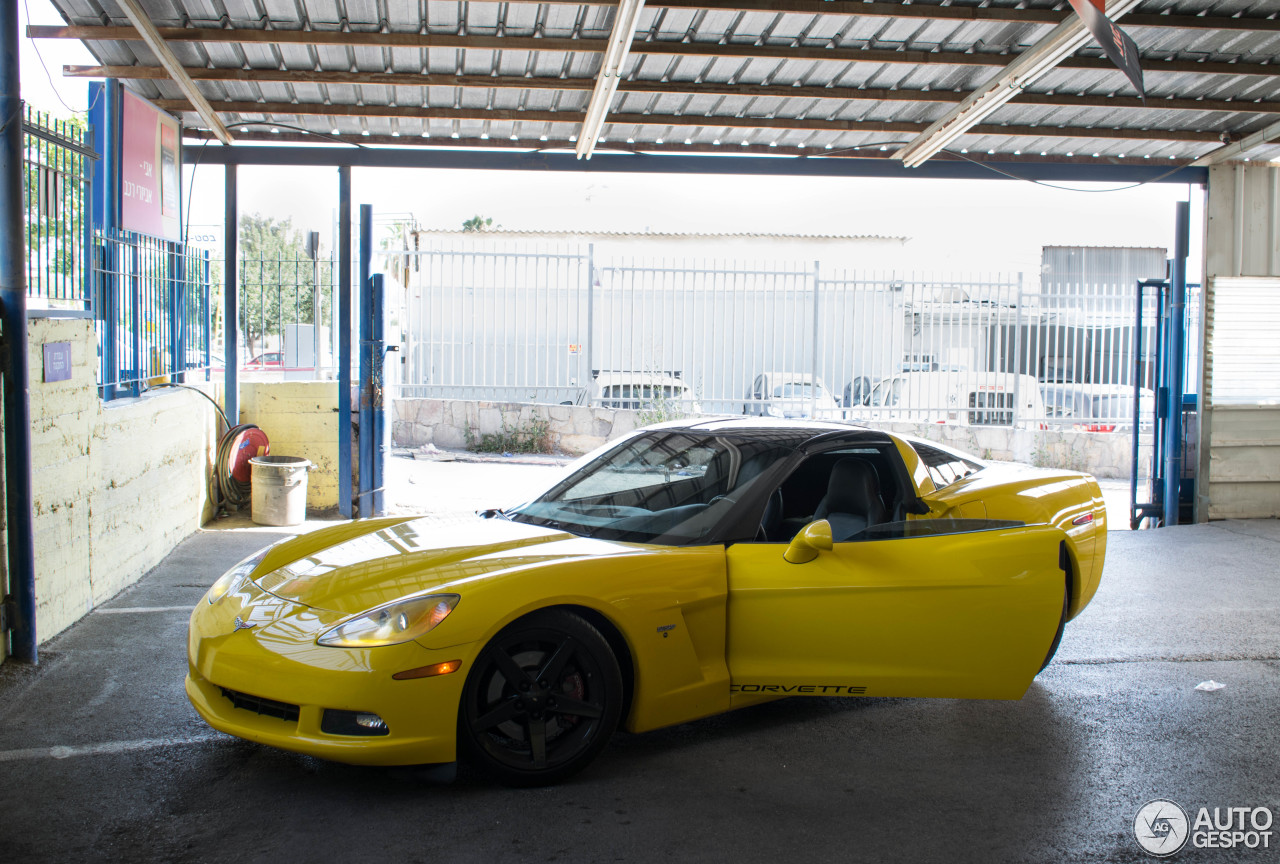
{"points": [[359, 573]]}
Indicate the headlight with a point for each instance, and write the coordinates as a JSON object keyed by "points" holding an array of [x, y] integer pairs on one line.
{"points": [[234, 578], [391, 624]]}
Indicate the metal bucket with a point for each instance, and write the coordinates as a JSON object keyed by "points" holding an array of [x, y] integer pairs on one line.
{"points": [[279, 489]]}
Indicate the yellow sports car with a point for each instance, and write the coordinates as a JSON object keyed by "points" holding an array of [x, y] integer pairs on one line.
{"points": [[683, 571]]}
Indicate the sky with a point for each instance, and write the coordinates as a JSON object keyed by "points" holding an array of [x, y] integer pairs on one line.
{"points": [[972, 225]]}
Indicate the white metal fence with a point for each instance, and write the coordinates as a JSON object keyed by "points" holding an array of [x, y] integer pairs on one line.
{"points": [[562, 324]]}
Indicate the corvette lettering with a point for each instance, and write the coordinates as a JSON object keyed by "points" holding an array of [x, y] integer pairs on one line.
{"points": [[813, 689]]}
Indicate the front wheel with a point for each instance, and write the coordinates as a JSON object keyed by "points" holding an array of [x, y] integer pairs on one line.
{"points": [[541, 700]]}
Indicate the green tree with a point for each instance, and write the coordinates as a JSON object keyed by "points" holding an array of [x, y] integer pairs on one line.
{"points": [[479, 223], [55, 200], [276, 281]]}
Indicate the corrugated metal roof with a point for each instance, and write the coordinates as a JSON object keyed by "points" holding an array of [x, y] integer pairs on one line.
{"points": [[725, 76]]}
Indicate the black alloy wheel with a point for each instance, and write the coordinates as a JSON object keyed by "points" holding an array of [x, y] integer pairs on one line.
{"points": [[1062, 625], [541, 700]]}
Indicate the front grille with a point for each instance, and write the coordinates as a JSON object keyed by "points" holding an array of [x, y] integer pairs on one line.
{"points": [[259, 705], [986, 401]]}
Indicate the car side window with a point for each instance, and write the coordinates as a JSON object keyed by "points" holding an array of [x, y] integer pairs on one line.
{"points": [[943, 467]]}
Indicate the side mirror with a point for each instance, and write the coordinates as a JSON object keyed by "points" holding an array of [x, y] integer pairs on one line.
{"points": [[805, 546]]}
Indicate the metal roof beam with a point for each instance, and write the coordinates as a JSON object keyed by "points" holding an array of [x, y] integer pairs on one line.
{"points": [[287, 109], [1029, 66], [930, 12], [655, 48], [147, 31], [625, 20], [496, 82], [818, 165]]}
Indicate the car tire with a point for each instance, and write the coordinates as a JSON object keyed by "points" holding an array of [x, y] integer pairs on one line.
{"points": [[1062, 625], [541, 700]]}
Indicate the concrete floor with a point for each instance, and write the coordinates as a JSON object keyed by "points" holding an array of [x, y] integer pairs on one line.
{"points": [[102, 759]]}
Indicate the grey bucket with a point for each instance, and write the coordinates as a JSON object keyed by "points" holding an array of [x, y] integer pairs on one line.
{"points": [[279, 489]]}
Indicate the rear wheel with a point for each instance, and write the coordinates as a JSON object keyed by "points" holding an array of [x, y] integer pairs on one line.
{"points": [[1062, 625], [541, 700]]}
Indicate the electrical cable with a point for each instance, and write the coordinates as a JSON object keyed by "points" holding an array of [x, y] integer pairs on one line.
{"points": [[216, 406], [1013, 176], [229, 490], [49, 76], [186, 228]]}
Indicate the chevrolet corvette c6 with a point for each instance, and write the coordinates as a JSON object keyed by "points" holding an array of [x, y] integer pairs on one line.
{"points": [[683, 571]]}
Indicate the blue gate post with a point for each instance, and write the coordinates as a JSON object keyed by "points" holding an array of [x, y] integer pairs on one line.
{"points": [[177, 314], [206, 296], [1175, 345], [135, 301], [230, 300], [381, 438], [366, 362], [344, 341], [20, 539]]}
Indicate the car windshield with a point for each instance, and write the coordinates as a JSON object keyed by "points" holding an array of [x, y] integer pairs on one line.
{"points": [[793, 390], [671, 487]]}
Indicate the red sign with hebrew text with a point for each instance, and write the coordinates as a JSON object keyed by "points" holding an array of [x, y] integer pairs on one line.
{"points": [[150, 200]]}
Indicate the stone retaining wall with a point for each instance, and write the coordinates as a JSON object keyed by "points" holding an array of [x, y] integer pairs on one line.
{"points": [[444, 423]]}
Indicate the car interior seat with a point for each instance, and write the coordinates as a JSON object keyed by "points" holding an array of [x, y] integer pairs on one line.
{"points": [[853, 500]]}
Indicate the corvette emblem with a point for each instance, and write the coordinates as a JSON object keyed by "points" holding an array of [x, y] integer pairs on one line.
{"points": [[241, 625]]}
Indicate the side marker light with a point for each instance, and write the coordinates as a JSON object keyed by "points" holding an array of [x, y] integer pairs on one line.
{"points": [[445, 668]]}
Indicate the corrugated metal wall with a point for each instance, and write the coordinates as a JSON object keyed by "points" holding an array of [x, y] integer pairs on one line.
{"points": [[1240, 419]]}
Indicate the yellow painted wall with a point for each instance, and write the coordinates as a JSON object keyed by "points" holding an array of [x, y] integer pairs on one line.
{"points": [[300, 419], [115, 486]]}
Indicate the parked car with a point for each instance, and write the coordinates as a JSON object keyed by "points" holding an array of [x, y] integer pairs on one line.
{"points": [[266, 360], [962, 398], [685, 570], [1097, 407], [790, 395], [640, 391]]}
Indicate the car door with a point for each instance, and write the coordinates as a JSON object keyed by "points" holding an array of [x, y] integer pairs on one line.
{"points": [[930, 607]]}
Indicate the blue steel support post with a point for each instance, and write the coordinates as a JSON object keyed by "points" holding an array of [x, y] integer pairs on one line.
{"points": [[1175, 347], [20, 540], [177, 315], [230, 300], [381, 441], [366, 362], [107, 197], [344, 341]]}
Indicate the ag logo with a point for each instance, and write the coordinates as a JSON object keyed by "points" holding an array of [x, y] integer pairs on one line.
{"points": [[1161, 828]]}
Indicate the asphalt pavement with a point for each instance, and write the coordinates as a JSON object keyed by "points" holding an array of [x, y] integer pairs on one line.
{"points": [[102, 759]]}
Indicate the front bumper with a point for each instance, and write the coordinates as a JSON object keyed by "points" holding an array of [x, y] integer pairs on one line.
{"points": [[276, 659]]}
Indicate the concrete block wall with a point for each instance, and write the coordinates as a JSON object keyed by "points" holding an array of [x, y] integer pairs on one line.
{"points": [[300, 419], [576, 429], [115, 485]]}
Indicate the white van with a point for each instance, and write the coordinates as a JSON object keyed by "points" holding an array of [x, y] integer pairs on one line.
{"points": [[961, 398], [639, 391]]}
